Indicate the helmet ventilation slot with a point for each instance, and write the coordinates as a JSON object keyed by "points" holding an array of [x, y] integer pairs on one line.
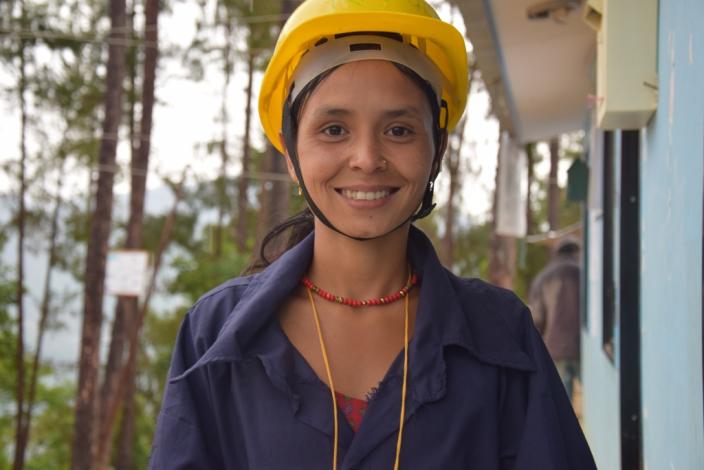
{"points": [[365, 47]]}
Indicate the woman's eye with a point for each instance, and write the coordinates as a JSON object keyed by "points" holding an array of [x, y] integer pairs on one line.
{"points": [[334, 131], [399, 131]]}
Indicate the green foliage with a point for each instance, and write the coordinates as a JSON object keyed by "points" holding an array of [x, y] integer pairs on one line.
{"points": [[261, 35], [146, 415], [205, 196], [472, 248], [8, 374], [8, 339], [429, 225], [536, 257], [298, 203], [72, 240], [181, 233], [158, 339], [569, 212], [53, 410], [200, 272], [50, 445]]}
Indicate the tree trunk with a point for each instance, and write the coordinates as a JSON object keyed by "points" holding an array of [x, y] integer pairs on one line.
{"points": [[44, 311], [127, 308], [124, 458], [280, 187], [530, 161], [224, 152], [454, 165], [242, 183], [120, 315], [265, 200], [502, 257], [84, 445], [275, 195], [125, 313], [19, 424], [275, 201], [453, 161], [502, 261], [553, 188]]}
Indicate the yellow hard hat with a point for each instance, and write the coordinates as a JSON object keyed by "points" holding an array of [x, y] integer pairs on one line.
{"points": [[313, 20]]}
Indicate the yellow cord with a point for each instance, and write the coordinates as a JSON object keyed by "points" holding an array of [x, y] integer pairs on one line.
{"points": [[329, 374], [332, 387], [405, 382]]}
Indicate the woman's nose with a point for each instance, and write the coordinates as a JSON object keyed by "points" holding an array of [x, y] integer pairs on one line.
{"points": [[367, 155]]}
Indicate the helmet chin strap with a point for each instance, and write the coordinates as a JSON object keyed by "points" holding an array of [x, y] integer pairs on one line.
{"points": [[427, 205]]}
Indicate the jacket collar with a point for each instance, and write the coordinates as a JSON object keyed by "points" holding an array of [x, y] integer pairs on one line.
{"points": [[444, 319]]}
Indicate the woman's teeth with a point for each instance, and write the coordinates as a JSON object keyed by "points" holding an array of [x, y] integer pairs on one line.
{"points": [[364, 195]]}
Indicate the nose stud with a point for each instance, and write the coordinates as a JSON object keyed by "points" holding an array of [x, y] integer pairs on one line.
{"points": [[384, 164]]}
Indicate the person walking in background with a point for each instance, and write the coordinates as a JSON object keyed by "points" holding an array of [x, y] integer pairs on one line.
{"points": [[554, 302]]}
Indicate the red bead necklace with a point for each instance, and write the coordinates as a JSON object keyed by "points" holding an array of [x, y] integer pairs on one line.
{"points": [[387, 299]]}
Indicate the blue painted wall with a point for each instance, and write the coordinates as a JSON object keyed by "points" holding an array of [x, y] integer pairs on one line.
{"points": [[600, 404], [600, 376], [671, 228]]}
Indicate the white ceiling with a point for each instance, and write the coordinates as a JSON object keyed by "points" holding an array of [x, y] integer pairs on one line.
{"points": [[545, 65]]}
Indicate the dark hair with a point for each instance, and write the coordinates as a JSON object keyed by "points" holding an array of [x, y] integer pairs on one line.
{"points": [[568, 247], [291, 231]]}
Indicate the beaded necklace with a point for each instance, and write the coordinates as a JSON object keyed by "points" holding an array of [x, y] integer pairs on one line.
{"points": [[387, 299]]}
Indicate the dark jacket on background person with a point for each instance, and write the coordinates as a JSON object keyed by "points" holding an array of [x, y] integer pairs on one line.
{"points": [[554, 302], [483, 393]]}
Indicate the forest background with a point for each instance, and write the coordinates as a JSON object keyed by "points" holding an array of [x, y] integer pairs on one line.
{"points": [[133, 124]]}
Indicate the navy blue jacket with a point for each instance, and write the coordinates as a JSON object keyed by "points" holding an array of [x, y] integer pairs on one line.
{"points": [[483, 393]]}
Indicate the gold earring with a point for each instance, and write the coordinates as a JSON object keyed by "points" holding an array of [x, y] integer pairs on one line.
{"points": [[300, 191]]}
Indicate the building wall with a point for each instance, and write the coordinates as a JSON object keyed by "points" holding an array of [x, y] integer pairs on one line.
{"points": [[671, 230], [600, 404], [672, 180], [600, 377]]}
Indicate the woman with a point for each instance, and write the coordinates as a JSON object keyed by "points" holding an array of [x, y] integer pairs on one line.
{"points": [[355, 348]]}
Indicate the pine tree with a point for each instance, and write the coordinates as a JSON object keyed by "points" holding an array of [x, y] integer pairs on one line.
{"points": [[127, 308], [84, 446]]}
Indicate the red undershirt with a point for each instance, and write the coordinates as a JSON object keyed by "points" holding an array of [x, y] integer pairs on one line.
{"points": [[352, 408]]}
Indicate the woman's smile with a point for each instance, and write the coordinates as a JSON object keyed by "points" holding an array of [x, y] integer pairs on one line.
{"points": [[367, 197]]}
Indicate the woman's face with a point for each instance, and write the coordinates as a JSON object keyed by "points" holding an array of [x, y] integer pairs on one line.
{"points": [[365, 146]]}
